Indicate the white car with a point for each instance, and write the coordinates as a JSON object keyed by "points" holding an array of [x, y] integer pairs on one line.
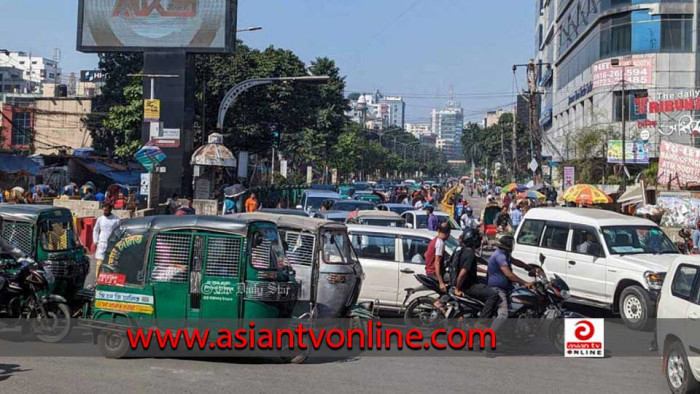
{"points": [[678, 325], [418, 219], [390, 256], [608, 260]]}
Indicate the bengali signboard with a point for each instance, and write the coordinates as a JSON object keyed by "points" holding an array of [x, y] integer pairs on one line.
{"points": [[638, 72], [679, 165], [134, 25], [636, 152], [569, 177], [151, 110]]}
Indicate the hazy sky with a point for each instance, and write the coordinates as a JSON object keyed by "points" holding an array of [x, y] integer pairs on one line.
{"points": [[416, 48]]}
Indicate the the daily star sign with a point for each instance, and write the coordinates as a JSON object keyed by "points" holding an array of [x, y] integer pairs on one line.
{"points": [[687, 100]]}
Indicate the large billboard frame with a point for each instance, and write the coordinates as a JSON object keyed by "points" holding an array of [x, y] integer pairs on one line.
{"points": [[229, 40]]}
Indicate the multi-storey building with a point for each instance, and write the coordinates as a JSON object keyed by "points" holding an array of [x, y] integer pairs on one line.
{"points": [[591, 44], [447, 125], [35, 69]]}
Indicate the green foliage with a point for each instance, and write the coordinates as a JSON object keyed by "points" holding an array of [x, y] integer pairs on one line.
{"points": [[613, 180], [650, 174], [125, 121]]}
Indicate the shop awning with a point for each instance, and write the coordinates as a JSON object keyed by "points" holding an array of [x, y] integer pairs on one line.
{"points": [[14, 164], [116, 173], [633, 195]]}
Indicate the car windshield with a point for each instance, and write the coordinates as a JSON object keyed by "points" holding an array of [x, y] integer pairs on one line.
{"points": [[625, 240], [315, 202]]}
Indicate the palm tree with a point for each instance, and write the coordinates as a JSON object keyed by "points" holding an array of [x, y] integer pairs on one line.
{"points": [[471, 146]]}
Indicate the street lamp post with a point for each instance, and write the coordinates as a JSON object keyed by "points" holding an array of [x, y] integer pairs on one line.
{"points": [[252, 28], [616, 63]]}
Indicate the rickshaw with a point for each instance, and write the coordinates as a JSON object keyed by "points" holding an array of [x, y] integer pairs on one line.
{"points": [[325, 264], [47, 235], [488, 229], [189, 271]]}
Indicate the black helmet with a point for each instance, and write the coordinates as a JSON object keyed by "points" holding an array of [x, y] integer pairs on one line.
{"points": [[471, 238], [469, 211], [505, 242]]}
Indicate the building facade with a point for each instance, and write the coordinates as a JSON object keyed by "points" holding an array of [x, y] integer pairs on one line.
{"points": [[35, 69], [590, 45], [447, 125], [418, 129], [378, 112]]}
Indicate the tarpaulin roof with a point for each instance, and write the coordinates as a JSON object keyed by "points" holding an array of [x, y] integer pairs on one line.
{"points": [[114, 172], [13, 164]]}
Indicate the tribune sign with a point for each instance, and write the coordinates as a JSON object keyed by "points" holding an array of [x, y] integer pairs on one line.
{"points": [[139, 25]]}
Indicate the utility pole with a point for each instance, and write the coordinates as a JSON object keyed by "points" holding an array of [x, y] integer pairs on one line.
{"points": [[515, 136], [533, 94], [623, 99]]}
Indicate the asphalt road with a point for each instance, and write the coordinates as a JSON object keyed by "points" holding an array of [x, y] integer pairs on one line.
{"points": [[363, 374], [545, 374]]}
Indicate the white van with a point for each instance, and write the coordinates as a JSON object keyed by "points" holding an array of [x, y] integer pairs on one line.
{"points": [[608, 260]]}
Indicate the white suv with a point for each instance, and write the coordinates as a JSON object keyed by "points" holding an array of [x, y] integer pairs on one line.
{"points": [[678, 325], [608, 260]]}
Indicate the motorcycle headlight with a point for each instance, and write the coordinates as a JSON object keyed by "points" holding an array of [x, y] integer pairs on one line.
{"points": [[565, 294], [654, 279]]}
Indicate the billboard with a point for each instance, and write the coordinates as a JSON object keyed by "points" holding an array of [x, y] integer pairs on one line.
{"points": [[636, 152], [678, 164], [638, 72], [569, 177], [96, 76], [140, 25]]}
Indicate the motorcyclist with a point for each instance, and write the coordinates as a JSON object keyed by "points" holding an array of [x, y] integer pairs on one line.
{"points": [[500, 276], [468, 220], [463, 273]]}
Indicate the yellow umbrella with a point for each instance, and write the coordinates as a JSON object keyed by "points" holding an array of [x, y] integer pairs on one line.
{"points": [[509, 188], [586, 194]]}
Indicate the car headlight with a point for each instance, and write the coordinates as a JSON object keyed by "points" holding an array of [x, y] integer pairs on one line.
{"points": [[654, 279], [565, 294]]}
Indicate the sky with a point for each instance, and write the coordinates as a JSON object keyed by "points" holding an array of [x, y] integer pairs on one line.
{"points": [[413, 48]]}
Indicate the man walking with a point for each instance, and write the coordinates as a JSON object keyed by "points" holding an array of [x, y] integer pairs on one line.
{"points": [[433, 221], [100, 235]]}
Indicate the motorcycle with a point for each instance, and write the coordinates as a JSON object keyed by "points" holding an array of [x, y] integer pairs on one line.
{"points": [[530, 310], [26, 301]]}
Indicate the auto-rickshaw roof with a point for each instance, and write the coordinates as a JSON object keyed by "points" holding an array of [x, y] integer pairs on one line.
{"points": [[171, 222], [293, 222], [28, 212]]}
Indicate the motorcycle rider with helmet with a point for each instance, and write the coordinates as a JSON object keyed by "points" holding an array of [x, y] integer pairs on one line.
{"points": [[468, 220], [500, 276], [463, 274]]}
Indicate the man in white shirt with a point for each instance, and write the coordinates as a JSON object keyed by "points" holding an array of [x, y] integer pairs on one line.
{"points": [[100, 235]]}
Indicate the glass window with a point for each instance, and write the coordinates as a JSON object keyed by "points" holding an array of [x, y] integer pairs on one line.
{"points": [[372, 246], [676, 33], [646, 32], [683, 281], [555, 237], [530, 232], [336, 249], [631, 111], [414, 250], [637, 240], [267, 252], [126, 256], [21, 128], [583, 239]]}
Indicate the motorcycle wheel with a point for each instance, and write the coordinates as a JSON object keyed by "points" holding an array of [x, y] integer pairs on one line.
{"points": [[421, 313], [556, 335], [55, 326]]}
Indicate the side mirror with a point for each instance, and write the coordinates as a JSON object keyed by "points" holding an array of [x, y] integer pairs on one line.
{"points": [[542, 258], [299, 207]]}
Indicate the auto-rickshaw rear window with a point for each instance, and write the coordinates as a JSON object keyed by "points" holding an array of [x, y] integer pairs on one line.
{"points": [[299, 247], [57, 234], [336, 248]]}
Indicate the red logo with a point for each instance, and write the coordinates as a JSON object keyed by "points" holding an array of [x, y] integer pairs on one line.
{"points": [[584, 330], [110, 279], [144, 8]]}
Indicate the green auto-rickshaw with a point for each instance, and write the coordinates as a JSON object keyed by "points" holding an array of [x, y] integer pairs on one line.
{"points": [[47, 235], [187, 271]]}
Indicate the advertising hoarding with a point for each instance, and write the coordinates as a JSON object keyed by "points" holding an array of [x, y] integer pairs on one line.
{"points": [[636, 152], [679, 165], [140, 25], [638, 72], [569, 177]]}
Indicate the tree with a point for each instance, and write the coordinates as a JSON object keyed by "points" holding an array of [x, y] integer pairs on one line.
{"points": [[110, 137], [125, 121]]}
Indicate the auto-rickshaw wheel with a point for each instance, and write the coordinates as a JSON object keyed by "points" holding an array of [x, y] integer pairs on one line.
{"points": [[112, 345], [298, 358]]}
